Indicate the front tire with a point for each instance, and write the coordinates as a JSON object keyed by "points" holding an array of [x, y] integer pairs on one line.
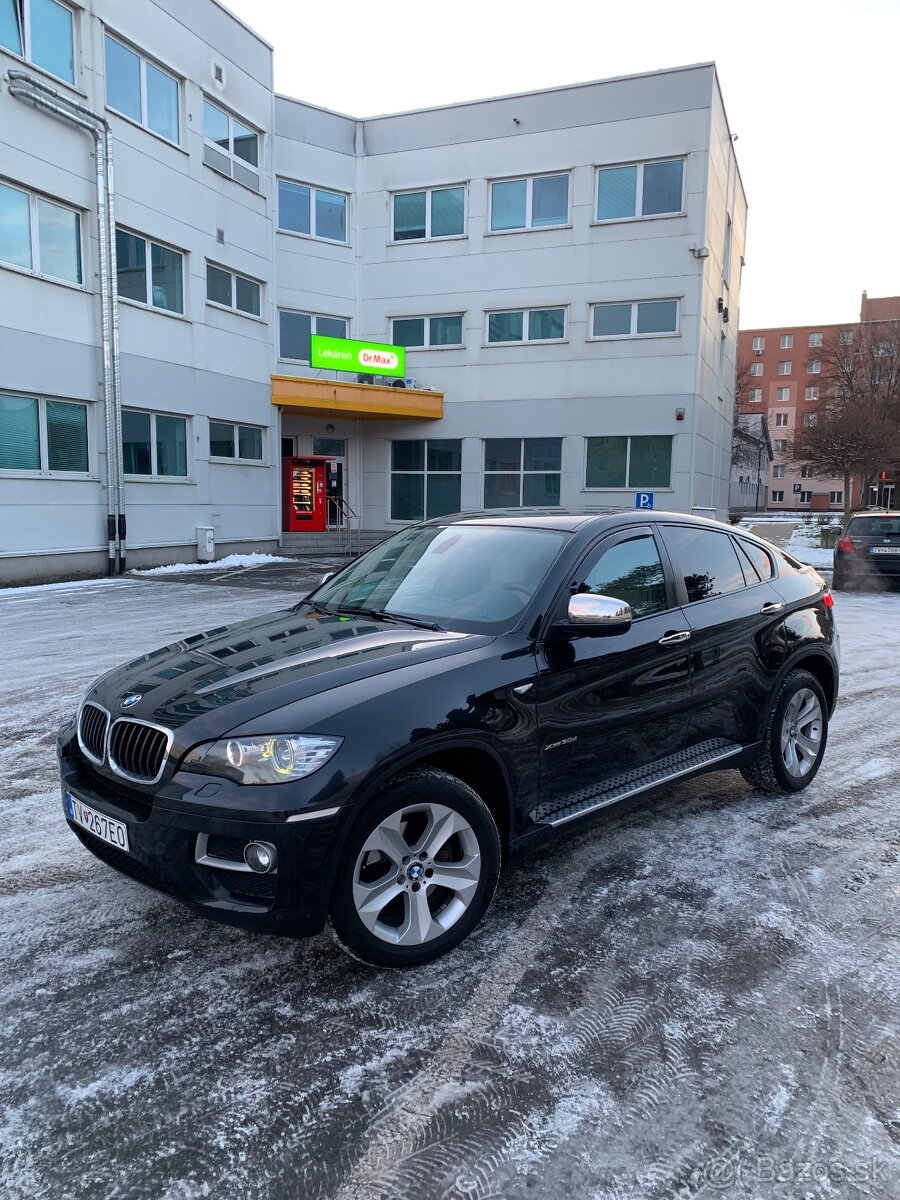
{"points": [[418, 871], [795, 738]]}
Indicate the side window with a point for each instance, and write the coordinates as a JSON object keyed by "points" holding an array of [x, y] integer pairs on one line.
{"points": [[707, 561], [631, 571], [762, 564]]}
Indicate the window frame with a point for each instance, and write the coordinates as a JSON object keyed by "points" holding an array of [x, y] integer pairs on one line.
{"points": [[314, 317], [34, 237], [639, 190], [626, 486], [232, 307], [786, 362], [148, 304], [758, 344], [633, 334], [781, 420], [782, 399], [836, 497], [154, 476], [44, 471], [427, 344], [528, 227], [526, 324], [814, 341], [424, 473], [804, 497], [26, 54], [814, 366], [681, 593], [521, 471], [312, 188], [814, 387], [786, 341], [229, 154], [143, 59], [393, 240], [235, 459], [756, 370], [594, 553], [778, 470], [776, 495], [754, 395]]}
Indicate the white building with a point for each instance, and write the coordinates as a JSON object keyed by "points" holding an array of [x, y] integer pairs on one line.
{"points": [[563, 266]]}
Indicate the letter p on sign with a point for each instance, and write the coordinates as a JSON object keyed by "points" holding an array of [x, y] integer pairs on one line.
{"points": [[643, 500]]}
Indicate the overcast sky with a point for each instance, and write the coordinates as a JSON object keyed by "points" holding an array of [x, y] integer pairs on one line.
{"points": [[810, 86]]}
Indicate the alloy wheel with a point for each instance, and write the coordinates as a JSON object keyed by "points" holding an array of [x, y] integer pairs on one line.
{"points": [[801, 733]]}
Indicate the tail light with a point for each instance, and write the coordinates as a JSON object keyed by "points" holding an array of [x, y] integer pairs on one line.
{"points": [[828, 599], [845, 545]]}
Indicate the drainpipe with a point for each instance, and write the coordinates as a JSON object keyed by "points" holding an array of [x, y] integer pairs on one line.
{"points": [[42, 96]]}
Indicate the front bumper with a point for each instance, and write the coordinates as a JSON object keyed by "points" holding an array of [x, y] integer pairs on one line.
{"points": [[163, 838]]}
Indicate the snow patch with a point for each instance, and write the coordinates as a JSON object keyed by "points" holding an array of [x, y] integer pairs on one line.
{"points": [[227, 563]]}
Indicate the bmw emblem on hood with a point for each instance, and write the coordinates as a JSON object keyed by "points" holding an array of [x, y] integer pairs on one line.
{"points": [[129, 700]]}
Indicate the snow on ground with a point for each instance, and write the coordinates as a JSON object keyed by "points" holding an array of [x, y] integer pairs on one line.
{"points": [[708, 981], [229, 562]]}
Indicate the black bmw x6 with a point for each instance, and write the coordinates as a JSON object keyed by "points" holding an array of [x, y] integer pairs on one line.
{"points": [[370, 756]]}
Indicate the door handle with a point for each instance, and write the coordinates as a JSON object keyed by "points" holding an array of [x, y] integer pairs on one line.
{"points": [[673, 639], [773, 606]]}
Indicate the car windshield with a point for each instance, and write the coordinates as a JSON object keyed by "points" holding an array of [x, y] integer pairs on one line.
{"points": [[874, 526], [468, 578]]}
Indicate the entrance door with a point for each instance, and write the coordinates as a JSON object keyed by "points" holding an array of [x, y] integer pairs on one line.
{"points": [[336, 450]]}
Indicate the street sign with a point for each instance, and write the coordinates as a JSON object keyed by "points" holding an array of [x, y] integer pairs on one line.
{"points": [[367, 358], [798, 487], [643, 500]]}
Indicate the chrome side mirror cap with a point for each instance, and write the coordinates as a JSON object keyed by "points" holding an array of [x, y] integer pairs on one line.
{"points": [[597, 616], [325, 578]]}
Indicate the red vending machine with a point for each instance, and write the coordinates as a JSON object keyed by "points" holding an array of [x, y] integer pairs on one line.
{"points": [[303, 508]]}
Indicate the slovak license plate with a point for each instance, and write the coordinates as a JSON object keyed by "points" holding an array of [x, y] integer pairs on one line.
{"points": [[107, 829], [884, 549]]}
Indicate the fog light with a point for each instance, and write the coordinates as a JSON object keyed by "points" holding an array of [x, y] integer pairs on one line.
{"points": [[260, 857]]}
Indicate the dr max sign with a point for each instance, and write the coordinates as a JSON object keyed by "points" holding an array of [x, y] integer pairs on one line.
{"points": [[368, 358]]}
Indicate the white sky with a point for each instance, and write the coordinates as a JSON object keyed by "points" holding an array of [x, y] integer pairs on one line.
{"points": [[810, 86]]}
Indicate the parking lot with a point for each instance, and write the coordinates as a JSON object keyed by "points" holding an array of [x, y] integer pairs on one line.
{"points": [[695, 997]]}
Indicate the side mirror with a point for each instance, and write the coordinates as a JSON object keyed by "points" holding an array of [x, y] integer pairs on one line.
{"points": [[325, 578], [596, 616]]}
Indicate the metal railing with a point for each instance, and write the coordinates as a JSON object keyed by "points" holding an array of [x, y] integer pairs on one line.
{"points": [[343, 524]]}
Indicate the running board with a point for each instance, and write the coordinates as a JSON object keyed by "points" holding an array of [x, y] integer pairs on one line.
{"points": [[630, 783]]}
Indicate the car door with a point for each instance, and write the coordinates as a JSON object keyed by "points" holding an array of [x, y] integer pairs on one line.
{"points": [[609, 704], [735, 618]]}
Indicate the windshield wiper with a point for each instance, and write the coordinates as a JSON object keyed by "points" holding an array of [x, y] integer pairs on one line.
{"points": [[314, 604], [381, 614]]}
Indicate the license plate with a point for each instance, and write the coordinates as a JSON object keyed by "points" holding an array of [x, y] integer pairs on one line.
{"points": [[107, 829], [884, 549]]}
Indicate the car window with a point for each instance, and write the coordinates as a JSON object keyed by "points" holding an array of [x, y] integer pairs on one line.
{"points": [[631, 571], [759, 559], [706, 560], [874, 526]]}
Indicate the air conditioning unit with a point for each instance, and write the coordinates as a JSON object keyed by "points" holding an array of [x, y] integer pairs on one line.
{"points": [[756, 351]]}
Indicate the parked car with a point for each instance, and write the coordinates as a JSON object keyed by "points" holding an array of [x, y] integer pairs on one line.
{"points": [[868, 553], [371, 755]]}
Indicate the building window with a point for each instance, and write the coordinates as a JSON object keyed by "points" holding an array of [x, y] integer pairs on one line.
{"points": [[230, 290], [41, 31], [812, 393], [637, 318], [241, 443], [522, 472], [806, 472], [755, 395], [139, 89], [845, 337], [295, 328], [756, 368], [39, 235], [640, 190], [628, 462], [783, 394], [815, 339], [777, 497], [429, 213], [527, 325], [313, 211], [425, 479], [328, 447], [781, 420], [787, 341], [804, 497], [835, 497], [759, 344], [230, 146], [813, 366], [49, 436], [779, 445], [778, 472], [154, 445], [809, 419], [534, 202], [423, 333], [784, 368], [149, 273]]}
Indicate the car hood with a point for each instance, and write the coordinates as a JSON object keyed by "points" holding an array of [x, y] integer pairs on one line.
{"points": [[259, 665]]}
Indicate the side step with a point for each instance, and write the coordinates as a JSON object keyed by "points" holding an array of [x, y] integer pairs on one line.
{"points": [[629, 783]]}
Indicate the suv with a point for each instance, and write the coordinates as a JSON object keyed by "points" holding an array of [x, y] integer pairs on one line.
{"points": [[869, 551], [472, 684]]}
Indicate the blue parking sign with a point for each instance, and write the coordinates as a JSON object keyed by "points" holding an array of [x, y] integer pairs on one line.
{"points": [[643, 500]]}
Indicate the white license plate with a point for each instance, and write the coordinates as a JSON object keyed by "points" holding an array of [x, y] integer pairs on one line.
{"points": [[107, 829], [884, 549]]}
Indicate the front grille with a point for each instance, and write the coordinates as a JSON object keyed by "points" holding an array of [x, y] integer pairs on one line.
{"points": [[138, 750], [92, 731], [129, 798]]}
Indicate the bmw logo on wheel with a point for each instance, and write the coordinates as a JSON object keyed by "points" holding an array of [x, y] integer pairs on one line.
{"points": [[129, 700]]}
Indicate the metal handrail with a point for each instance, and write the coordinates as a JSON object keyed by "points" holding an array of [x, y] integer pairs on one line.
{"points": [[349, 516]]}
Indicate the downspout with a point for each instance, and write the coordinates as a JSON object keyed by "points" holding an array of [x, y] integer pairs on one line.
{"points": [[114, 344], [42, 96]]}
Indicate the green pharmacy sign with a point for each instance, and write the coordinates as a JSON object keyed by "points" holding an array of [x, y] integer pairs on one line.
{"points": [[368, 358]]}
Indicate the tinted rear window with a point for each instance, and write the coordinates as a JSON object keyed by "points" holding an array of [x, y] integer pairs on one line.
{"points": [[762, 564], [874, 526], [706, 560]]}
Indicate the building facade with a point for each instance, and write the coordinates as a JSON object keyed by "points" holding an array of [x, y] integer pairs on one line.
{"points": [[563, 268]]}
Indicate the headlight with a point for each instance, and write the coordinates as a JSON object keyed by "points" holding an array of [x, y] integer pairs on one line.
{"points": [[274, 759]]}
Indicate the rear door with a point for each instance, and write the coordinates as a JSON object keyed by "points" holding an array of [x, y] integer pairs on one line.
{"points": [[735, 618]]}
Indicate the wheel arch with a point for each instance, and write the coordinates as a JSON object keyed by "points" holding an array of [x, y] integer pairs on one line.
{"points": [[821, 667]]}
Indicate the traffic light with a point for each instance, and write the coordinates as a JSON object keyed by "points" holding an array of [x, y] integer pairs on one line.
{"points": [[883, 476]]}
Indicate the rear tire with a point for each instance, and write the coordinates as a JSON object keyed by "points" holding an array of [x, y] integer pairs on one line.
{"points": [[795, 738], [418, 871]]}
